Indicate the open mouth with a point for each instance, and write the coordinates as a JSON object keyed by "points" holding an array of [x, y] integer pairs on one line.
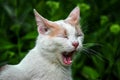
{"points": [[67, 57]]}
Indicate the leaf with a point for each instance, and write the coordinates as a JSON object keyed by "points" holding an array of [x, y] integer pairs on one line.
{"points": [[9, 10], [53, 4], [115, 28], [88, 45], [84, 7], [4, 44], [30, 35], [117, 68], [103, 19], [90, 73]]}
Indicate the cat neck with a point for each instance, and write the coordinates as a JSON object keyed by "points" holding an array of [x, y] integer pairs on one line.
{"points": [[37, 66]]}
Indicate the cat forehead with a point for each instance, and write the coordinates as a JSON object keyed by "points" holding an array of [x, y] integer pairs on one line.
{"points": [[68, 27], [61, 28]]}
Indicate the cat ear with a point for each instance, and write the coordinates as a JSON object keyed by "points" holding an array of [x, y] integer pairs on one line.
{"points": [[43, 24], [74, 16]]}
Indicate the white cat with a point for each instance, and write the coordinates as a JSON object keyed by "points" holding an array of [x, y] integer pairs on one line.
{"points": [[52, 55]]}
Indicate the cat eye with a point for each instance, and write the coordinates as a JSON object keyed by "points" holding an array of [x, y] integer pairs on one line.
{"points": [[79, 34], [65, 36]]}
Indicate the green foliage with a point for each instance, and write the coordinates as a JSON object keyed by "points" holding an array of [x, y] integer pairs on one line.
{"points": [[115, 28], [89, 73], [100, 21]]}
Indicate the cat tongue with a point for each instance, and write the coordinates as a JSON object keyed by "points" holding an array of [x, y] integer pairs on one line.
{"points": [[67, 60], [67, 57]]}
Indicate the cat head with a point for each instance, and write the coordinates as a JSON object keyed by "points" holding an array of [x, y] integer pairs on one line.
{"points": [[59, 39]]}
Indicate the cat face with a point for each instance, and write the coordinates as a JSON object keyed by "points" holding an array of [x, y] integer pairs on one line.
{"points": [[59, 39]]}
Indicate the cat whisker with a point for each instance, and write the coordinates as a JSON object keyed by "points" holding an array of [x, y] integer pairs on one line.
{"points": [[86, 52], [95, 53]]}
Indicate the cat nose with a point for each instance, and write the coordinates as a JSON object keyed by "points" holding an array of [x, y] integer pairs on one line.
{"points": [[75, 44]]}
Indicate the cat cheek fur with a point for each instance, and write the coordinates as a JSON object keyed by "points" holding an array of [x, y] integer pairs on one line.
{"points": [[50, 44], [63, 44], [46, 43], [80, 40]]}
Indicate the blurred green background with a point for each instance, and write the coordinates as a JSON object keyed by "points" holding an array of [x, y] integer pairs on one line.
{"points": [[100, 21]]}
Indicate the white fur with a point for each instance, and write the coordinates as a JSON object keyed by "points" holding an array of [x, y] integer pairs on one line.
{"points": [[44, 61]]}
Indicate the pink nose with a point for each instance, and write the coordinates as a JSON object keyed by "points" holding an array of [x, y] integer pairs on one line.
{"points": [[75, 44]]}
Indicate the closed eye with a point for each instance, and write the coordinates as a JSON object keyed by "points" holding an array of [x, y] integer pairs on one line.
{"points": [[79, 34], [63, 36]]}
